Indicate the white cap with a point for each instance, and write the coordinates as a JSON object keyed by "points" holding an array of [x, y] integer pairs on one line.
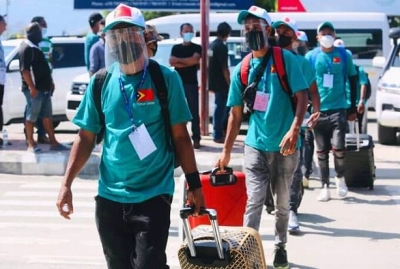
{"points": [[339, 43], [302, 36], [286, 21], [124, 14], [255, 11]]}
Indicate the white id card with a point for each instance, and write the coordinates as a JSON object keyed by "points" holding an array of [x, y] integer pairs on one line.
{"points": [[328, 81], [261, 102], [142, 142]]}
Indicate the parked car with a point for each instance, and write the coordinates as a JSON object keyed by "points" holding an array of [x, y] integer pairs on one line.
{"points": [[68, 62], [388, 94], [79, 84]]}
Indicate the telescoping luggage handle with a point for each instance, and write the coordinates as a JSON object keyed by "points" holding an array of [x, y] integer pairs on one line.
{"points": [[354, 125], [212, 214]]}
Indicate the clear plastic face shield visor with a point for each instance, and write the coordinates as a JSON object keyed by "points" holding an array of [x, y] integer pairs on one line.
{"points": [[126, 46], [255, 35]]}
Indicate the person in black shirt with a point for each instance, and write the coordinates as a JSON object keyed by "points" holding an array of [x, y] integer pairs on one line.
{"points": [[37, 90], [185, 58], [219, 80]]}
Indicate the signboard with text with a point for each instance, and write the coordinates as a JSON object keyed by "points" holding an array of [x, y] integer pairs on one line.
{"points": [[389, 7], [160, 5]]}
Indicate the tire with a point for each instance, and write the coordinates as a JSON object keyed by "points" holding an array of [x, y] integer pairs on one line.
{"points": [[386, 135]]}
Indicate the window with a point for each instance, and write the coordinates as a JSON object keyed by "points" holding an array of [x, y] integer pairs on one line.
{"points": [[363, 43], [7, 50], [396, 57], [68, 55]]}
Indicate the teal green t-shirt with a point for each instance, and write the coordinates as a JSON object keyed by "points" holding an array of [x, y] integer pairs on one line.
{"points": [[266, 129], [334, 97], [307, 69], [91, 38], [362, 80], [123, 176]]}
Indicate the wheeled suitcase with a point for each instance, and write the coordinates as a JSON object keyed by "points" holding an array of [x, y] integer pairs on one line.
{"points": [[226, 193], [359, 161], [222, 247]]}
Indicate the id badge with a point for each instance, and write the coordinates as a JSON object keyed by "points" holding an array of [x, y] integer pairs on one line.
{"points": [[142, 142], [328, 81], [261, 102]]}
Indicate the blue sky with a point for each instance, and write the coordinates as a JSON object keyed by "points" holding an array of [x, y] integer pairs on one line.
{"points": [[59, 14]]}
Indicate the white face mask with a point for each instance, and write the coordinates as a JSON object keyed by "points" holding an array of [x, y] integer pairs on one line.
{"points": [[326, 41]]}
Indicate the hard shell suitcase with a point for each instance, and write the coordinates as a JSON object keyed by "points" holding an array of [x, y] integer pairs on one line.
{"points": [[226, 193], [359, 161], [219, 247]]}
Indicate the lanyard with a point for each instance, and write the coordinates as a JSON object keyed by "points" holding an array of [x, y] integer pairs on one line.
{"points": [[329, 64], [127, 102]]}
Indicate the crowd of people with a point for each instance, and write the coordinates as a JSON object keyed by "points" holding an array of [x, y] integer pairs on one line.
{"points": [[294, 97]]}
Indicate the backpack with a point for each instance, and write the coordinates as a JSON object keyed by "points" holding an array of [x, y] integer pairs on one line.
{"points": [[102, 77], [368, 86], [277, 54]]}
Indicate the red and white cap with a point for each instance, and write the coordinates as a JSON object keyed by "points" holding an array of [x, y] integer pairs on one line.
{"points": [[286, 21], [339, 43], [255, 11], [302, 36], [124, 14]]}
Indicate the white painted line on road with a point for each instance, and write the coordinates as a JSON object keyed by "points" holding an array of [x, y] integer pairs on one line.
{"points": [[45, 194], [47, 225], [73, 260], [50, 203], [43, 214]]}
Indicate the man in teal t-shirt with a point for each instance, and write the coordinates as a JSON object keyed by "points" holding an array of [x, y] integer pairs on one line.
{"points": [[333, 66], [272, 140], [92, 37], [286, 30], [136, 181]]}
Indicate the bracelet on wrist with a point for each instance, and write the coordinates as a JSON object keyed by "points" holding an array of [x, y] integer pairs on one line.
{"points": [[193, 180]]}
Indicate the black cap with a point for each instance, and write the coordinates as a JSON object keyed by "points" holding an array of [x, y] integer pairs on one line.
{"points": [[94, 18]]}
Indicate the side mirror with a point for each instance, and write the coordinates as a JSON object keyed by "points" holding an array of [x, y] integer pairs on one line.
{"points": [[13, 66], [379, 61]]}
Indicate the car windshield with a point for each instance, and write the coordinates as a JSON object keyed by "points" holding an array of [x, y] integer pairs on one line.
{"points": [[396, 58], [163, 54], [7, 50]]}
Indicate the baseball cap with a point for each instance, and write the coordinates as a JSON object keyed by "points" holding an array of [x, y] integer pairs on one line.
{"points": [[339, 43], [286, 21], [326, 24], [255, 11], [124, 14], [152, 34], [302, 36], [94, 18]]}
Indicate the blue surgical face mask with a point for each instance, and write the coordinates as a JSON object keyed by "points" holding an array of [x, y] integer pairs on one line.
{"points": [[44, 32], [187, 37]]}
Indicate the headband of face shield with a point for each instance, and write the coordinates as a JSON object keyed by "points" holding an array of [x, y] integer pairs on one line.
{"points": [[127, 47], [255, 34]]}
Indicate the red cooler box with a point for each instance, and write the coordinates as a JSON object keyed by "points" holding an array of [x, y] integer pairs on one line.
{"points": [[226, 193]]}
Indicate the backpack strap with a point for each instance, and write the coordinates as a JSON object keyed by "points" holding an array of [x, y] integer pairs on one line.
{"points": [[245, 70], [100, 79], [162, 94], [282, 76]]}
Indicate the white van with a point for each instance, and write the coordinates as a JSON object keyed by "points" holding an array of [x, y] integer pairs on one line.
{"points": [[365, 34]]}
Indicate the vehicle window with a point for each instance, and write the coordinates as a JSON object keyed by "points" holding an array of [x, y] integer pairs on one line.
{"points": [[7, 50], [396, 58], [214, 33], [68, 55], [236, 51], [163, 54], [363, 43]]}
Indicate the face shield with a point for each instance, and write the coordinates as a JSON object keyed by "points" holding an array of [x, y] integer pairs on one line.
{"points": [[255, 34], [126, 46]]}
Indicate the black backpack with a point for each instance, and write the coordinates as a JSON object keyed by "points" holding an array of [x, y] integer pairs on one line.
{"points": [[101, 79], [368, 86]]}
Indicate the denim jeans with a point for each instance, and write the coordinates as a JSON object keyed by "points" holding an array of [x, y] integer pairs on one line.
{"points": [[134, 235], [329, 133], [263, 168], [308, 150], [1, 106], [221, 114], [192, 97], [295, 189]]}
